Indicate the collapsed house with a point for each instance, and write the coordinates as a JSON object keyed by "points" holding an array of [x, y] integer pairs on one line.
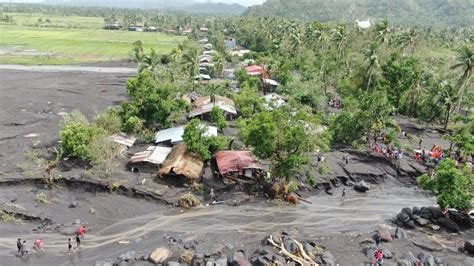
{"points": [[274, 100], [182, 164], [174, 135], [271, 84], [123, 139], [205, 104], [150, 160], [239, 166]]}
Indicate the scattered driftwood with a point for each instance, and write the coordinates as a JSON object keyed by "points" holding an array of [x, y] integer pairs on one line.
{"points": [[303, 258]]}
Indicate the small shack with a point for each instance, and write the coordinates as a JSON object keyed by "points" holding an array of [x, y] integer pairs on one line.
{"points": [[204, 106], [239, 166], [271, 84], [150, 160], [182, 164], [254, 70]]}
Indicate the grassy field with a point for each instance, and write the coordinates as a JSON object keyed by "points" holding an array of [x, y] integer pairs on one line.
{"points": [[34, 45], [32, 19]]}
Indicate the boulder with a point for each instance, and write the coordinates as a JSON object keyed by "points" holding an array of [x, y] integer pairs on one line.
{"points": [[387, 254], [431, 213], [73, 204], [265, 260], [239, 259], [160, 255], [410, 224], [290, 245], [403, 217], [197, 259], [361, 186], [191, 244], [384, 233], [410, 257], [448, 224], [129, 256], [187, 256], [408, 211], [427, 259], [416, 211], [400, 233], [461, 219], [404, 262], [328, 259], [420, 221], [469, 246]]}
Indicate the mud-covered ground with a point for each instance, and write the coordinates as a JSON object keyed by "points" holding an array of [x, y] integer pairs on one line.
{"points": [[142, 216]]}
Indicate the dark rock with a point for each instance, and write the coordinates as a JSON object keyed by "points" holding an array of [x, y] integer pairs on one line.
{"points": [[319, 260], [221, 262], [461, 219], [290, 245], [190, 244], [469, 246], [404, 262], [400, 233], [129, 256], [427, 259], [410, 257], [262, 260], [431, 213], [403, 217], [448, 224], [349, 183], [361, 186], [410, 224], [416, 211], [266, 250], [329, 191], [408, 211], [308, 248], [328, 259], [73, 204], [387, 253], [145, 257], [239, 259]]}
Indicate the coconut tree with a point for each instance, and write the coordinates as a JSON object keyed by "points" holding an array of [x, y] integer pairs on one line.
{"points": [[190, 63], [339, 38], [150, 61], [371, 59], [382, 30], [464, 61], [407, 39]]}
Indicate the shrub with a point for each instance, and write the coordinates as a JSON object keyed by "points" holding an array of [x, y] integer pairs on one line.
{"points": [[109, 121], [189, 201], [76, 137], [103, 153], [133, 124]]}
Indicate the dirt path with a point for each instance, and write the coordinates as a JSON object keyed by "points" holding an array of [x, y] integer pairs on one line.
{"points": [[70, 68]]}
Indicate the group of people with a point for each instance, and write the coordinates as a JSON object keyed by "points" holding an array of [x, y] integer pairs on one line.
{"points": [[435, 155], [378, 254], [39, 243], [388, 151]]}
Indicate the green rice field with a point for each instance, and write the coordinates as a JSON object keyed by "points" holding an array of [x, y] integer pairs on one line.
{"points": [[44, 45]]}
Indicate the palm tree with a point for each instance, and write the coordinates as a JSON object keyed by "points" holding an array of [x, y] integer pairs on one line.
{"points": [[372, 61], [382, 30], [150, 61], [446, 97], [339, 38], [407, 39], [465, 59], [190, 63], [137, 51]]}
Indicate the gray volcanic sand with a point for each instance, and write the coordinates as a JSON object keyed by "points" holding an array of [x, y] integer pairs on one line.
{"points": [[32, 103]]}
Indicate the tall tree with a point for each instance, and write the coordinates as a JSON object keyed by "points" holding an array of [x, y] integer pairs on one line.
{"points": [[465, 60], [372, 62]]}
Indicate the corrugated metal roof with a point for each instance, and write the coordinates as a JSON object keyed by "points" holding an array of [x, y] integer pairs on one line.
{"points": [[153, 154], [208, 107], [123, 139], [174, 134], [271, 82]]}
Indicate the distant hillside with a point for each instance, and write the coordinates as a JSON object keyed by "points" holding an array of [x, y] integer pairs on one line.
{"points": [[180, 5], [214, 8], [403, 12]]}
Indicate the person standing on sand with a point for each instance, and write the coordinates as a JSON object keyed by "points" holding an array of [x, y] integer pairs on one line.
{"points": [[344, 191], [378, 258], [378, 240], [23, 249], [18, 245], [69, 245], [78, 239]]}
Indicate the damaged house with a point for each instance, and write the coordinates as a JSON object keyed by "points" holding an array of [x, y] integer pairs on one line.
{"points": [[239, 166], [150, 160], [205, 104], [174, 135], [182, 164]]}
